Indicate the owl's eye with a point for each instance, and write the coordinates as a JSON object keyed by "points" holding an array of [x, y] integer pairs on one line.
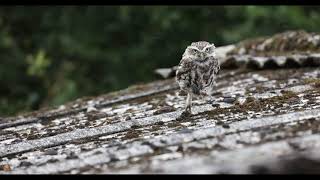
{"points": [[207, 50], [194, 51]]}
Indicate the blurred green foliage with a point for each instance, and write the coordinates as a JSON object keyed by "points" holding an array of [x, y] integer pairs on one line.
{"points": [[53, 54]]}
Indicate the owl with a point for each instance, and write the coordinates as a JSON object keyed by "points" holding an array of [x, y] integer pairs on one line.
{"points": [[197, 71]]}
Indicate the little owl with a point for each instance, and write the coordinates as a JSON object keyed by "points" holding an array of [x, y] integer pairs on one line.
{"points": [[197, 70]]}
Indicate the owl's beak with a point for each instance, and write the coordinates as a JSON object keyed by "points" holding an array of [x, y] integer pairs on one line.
{"points": [[202, 55]]}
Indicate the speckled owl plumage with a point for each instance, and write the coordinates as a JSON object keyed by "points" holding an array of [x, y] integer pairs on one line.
{"points": [[197, 71]]}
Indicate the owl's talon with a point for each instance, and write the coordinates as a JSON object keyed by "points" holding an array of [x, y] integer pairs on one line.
{"points": [[184, 114]]}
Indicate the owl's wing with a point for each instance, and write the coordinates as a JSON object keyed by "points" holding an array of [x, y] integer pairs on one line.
{"points": [[215, 65], [209, 85], [184, 68], [183, 73]]}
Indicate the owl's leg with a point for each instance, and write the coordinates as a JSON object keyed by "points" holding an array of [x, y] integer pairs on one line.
{"points": [[189, 103], [187, 110]]}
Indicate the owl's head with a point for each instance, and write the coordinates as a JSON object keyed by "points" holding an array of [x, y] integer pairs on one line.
{"points": [[200, 50]]}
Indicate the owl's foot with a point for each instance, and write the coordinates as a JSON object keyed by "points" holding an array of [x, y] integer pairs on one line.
{"points": [[205, 94], [185, 114]]}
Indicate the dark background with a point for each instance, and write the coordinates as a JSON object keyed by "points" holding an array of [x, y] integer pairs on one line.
{"points": [[51, 55]]}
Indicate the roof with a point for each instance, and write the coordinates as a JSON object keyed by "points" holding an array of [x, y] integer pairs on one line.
{"points": [[258, 121]]}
